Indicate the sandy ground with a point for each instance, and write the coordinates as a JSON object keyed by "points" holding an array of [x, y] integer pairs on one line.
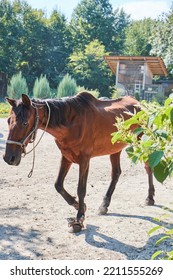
{"points": [[33, 215]]}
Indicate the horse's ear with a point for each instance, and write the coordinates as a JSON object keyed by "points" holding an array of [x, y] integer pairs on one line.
{"points": [[25, 100], [11, 101]]}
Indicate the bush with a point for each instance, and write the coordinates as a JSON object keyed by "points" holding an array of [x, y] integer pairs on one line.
{"points": [[156, 144], [41, 88], [94, 92], [17, 86], [4, 110], [67, 87]]}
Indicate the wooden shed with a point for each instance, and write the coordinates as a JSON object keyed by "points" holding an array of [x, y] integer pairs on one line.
{"points": [[135, 73]]}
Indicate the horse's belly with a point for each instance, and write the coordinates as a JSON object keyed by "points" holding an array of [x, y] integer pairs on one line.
{"points": [[107, 149]]}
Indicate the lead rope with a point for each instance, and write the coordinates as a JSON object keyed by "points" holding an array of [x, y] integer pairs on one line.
{"points": [[34, 146], [33, 162]]}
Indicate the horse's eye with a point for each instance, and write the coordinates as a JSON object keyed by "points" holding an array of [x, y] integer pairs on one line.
{"points": [[25, 123]]}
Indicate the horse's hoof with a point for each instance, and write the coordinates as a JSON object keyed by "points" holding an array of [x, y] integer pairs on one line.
{"points": [[75, 225], [150, 202], [102, 210], [76, 228]]}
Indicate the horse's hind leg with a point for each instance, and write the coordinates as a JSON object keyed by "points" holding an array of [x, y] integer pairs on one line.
{"points": [[64, 168], [116, 171], [151, 190]]}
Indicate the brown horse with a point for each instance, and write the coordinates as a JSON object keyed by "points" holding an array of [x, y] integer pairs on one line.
{"points": [[82, 127]]}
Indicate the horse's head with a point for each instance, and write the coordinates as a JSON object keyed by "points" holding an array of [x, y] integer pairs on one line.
{"points": [[23, 122]]}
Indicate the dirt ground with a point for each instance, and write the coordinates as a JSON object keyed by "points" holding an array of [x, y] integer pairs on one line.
{"points": [[33, 216]]}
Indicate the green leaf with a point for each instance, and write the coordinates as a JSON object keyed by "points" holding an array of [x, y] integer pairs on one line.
{"points": [[116, 137], [138, 130], [151, 119], [156, 254], [161, 133], [154, 229], [130, 151], [170, 255], [161, 171], [170, 232], [171, 116], [155, 158], [133, 120], [167, 101], [162, 239]]}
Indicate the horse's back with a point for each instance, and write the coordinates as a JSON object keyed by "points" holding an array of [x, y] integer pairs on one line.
{"points": [[126, 102]]}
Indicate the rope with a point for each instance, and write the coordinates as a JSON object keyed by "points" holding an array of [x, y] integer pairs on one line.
{"points": [[34, 146]]}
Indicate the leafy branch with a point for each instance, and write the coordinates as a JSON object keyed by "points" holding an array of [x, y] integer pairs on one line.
{"points": [[149, 135], [168, 235]]}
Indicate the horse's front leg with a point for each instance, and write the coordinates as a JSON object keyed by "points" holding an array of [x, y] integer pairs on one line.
{"points": [[77, 224], [64, 168]]}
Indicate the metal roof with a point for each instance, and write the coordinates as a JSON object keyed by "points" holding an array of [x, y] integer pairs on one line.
{"points": [[155, 64]]}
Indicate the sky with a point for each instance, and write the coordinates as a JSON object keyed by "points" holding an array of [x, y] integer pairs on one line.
{"points": [[138, 9]]}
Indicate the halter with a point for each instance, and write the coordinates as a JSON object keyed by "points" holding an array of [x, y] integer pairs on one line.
{"points": [[32, 134]]}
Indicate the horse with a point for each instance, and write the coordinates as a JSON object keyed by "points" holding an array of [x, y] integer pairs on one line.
{"points": [[82, 127]]}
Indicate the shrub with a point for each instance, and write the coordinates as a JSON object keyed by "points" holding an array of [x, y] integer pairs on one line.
{"points": [[156, 145], [94, 92], [41, 88], [17, 86], [4, 110], [67, 87]]}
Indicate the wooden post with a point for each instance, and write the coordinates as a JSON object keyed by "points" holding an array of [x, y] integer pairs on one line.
{"points": [[117, 73]]}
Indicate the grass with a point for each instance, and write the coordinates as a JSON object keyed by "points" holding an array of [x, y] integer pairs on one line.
{"points": [[4, 110]]}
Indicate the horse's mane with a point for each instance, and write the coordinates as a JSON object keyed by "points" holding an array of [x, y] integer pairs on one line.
{"points": [[61, 108]]}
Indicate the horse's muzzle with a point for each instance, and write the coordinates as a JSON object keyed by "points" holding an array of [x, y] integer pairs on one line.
{"points": [[12, 159]]}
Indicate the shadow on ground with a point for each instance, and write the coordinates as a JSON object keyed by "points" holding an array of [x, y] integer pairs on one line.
{"points": [[93, 234], [12, 238]]}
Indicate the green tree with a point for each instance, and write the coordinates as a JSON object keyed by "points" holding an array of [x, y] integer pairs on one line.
{"points": [[162, 39], [59, 47], [32, 43], [17, 86], [45, 45], [138, 35], [41, 88], [95, 19], [67, 87], [89, 68], [10, 30]]}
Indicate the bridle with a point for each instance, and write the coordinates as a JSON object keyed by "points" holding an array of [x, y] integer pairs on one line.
{"points": [[32, 135]]}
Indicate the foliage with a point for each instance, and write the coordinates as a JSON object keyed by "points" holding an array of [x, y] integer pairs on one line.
{"points": [[32, 43], [4, 110], [67, 87], [168, 235], [17, 86], [96, 20], [41, 88], [36, 43], [162, 39], [95, 92], [10, 30], [137, 37], [89, 68], [155, 145]]}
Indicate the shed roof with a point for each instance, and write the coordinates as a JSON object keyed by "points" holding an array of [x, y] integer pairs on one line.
{"points": [[155, 64]]}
